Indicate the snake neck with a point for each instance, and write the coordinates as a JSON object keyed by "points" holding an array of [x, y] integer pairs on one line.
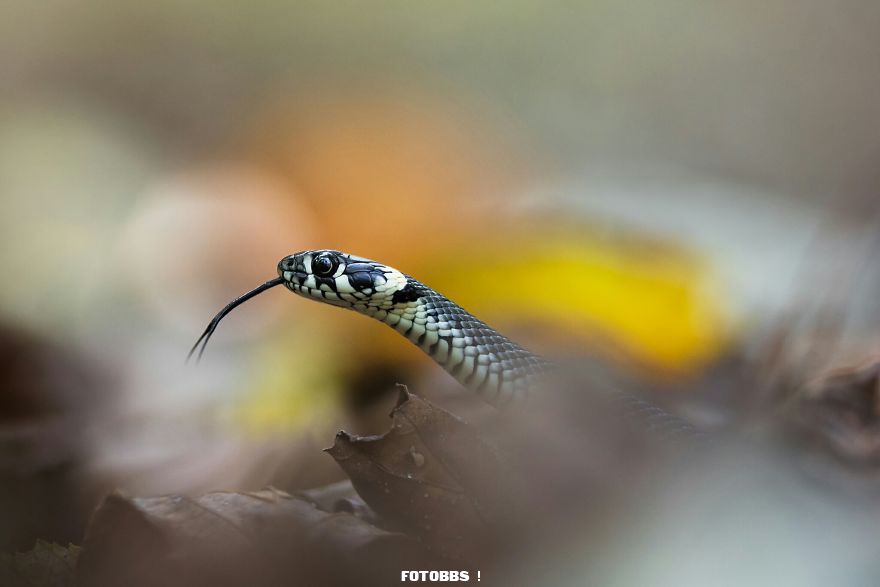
{"points": [[471, 351]]}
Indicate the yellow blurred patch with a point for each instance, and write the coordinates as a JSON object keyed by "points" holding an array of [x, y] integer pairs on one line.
{"points": [[643, 300], [292, 381]]}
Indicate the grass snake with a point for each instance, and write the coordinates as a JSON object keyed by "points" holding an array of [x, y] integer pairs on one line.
{"points": [[473, 352], [480, 358]]}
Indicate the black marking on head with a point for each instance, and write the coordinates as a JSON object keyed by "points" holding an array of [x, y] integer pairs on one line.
{"points": [[328, 281], [360, 279], [409, 293], [355, 267], [287, 263]]}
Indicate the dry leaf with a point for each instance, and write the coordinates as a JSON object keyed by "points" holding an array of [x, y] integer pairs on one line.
{"points": [[431, 475], [340, 497], [47, 564], [49, 396], [262, 538], [843, 411]]}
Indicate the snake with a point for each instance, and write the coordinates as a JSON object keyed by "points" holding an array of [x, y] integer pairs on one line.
{"points": [[483, 360], [475, 354]]}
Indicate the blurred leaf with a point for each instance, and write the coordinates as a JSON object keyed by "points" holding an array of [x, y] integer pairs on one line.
{"points": [[48, 395], [842, 410], [261, 538], [339, 497], [47, 564]]}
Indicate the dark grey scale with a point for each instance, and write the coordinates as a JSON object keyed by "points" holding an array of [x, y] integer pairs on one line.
{"points": [[511, 364]]}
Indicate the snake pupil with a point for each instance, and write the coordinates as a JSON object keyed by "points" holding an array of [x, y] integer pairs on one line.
{"points": [[323, 266]]}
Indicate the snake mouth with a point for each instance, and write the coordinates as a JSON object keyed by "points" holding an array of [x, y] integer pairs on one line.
{"points": [[292, 277]]}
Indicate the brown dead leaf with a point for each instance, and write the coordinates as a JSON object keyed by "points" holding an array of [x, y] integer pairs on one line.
{"points": [[45, 564], [48, 395], [431, 475], [262, 538], [340, 497], [843, 411]]}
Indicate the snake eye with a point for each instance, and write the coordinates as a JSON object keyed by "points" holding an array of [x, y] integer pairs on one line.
{"points": [[324, 265]]}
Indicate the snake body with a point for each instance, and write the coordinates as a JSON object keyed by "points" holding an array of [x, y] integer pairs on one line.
{"points": [[474, 353]]}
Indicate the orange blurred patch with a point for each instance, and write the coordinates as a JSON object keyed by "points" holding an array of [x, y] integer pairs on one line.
{"points": [[200, 238], [390, 171]]}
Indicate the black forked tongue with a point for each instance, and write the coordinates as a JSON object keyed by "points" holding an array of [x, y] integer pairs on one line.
{"points": [[209, 331]]}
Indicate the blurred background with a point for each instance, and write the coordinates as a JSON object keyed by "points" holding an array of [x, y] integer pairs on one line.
{"points": [[661, 186]]}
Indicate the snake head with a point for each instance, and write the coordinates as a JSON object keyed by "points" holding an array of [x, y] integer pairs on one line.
{"points": [[341, 279]]}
